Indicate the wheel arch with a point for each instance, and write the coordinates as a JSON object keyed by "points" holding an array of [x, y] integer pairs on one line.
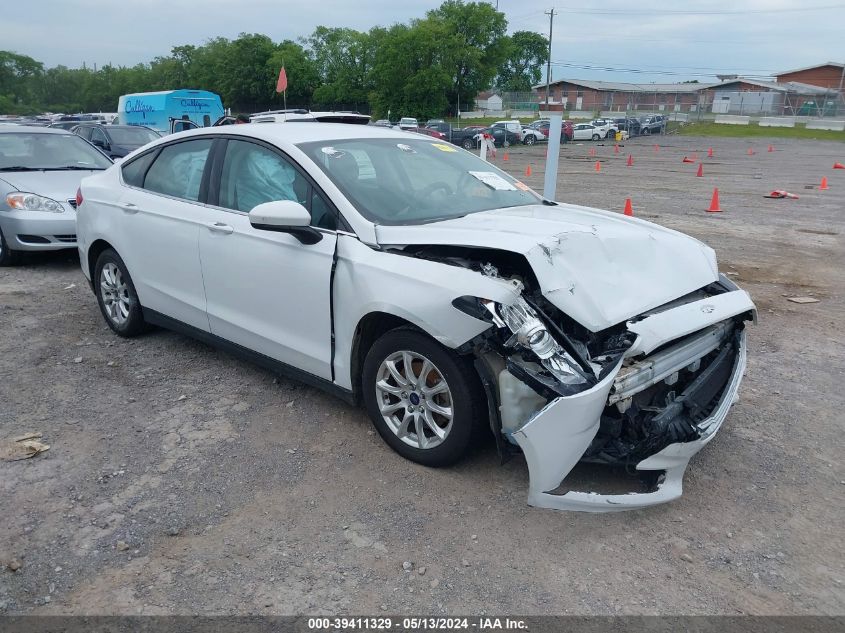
{"points": [[94, 251]]}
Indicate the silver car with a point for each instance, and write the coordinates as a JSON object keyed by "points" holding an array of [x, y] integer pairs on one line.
{"points": [[40, 172]]}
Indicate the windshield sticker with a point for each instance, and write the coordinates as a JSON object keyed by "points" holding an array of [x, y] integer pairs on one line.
{"points": [[406, 148], [522, 185], [493, 180], [444, 148], [331, 152]]}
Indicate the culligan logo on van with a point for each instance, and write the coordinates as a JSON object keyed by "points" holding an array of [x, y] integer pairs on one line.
{"points": [[196, 104], [137, 105]]}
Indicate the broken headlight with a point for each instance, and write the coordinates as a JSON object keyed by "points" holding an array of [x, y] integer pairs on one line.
{"points": [[529, 332]]}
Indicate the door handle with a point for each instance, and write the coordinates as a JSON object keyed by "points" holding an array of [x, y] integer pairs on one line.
{"points": [[128, 207], [219, 227]]}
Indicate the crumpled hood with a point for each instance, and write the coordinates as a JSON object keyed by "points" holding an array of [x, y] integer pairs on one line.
{"points": [[61, 186], [600, 268]]}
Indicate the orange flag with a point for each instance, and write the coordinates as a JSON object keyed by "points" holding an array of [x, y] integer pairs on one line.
{"points": [[282, 83]]}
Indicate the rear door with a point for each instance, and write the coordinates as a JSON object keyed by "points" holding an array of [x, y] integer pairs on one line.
{"points": [[162, 212], [266, 290]]}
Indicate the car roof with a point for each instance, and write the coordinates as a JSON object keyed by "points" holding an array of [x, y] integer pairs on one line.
{"points": [[18, 129], [295, 132]]}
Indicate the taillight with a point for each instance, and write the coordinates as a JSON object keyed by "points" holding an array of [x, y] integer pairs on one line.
{"points": [[78, 198]]}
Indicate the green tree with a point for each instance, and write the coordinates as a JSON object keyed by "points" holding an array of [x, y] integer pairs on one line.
{"points": [[526, 52], [344, 59], [301, 71]]}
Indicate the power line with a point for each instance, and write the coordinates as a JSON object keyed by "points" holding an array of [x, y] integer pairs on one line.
{"points": [[624, 12]]}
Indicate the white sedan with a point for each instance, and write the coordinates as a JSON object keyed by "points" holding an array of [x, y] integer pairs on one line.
{"points": [[586, 132], [451, 300]]}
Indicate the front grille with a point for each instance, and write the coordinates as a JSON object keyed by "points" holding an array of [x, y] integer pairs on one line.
{"points": [[65, 238], [72, 202]]}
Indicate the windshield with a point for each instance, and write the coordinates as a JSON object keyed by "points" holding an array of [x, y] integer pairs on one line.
{"points": [[408, 181], [132, 136], [23, 150]]}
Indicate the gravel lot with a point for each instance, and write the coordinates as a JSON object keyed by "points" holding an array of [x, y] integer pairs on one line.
{"points": [[182, 480]]}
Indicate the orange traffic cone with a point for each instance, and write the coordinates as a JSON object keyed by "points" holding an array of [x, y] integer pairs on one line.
{"points": [[630, 162], [528, 171], [700, 171], [656, 148], [709, 152], [687, 160], [771, 149], [598, 169], [616, 148], [505, 156], [750, 152], [838, 166], [629, 209], [824, 186], [714, 202]]}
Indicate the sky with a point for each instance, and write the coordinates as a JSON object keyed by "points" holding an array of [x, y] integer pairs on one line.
{"points": [[642, 41]]}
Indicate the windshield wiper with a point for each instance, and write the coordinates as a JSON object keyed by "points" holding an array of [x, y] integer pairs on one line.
{"points": [[20, 168], [73, 167]]}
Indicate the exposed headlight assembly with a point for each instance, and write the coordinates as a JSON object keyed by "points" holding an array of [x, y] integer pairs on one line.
{"points": [[31, 202], [531, 333]]}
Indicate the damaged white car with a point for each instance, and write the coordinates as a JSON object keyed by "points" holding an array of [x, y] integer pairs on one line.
{"points": [[446, 296]]}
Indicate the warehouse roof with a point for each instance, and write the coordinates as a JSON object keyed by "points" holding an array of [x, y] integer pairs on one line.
{"points": [[620, 86]]}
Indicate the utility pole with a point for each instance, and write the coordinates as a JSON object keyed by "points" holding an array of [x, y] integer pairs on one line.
{"points": [[551, 14]]}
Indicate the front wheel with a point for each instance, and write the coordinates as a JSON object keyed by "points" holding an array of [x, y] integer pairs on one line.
{"points": [[530, 139], [423, 399], [596, 137], [116, 295], [468, 143]]}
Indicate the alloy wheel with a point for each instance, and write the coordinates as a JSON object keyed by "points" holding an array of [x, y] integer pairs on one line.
{"points": [[414, 399], [115, 293]]}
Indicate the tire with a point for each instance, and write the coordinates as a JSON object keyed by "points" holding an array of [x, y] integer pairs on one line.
{"points": [[463, 397], [468, 143], [596, 137], [646, 131], [116, 296], [530, 139], [8, 257]]}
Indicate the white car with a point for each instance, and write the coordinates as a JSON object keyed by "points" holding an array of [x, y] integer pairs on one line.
{"points": [[586, 132], [408, 123], [409, 275]]}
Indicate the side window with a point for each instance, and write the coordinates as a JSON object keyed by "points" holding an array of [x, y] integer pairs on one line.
{"points": [[97, 136], [252, 175], [85, 132], [177, 170], [322, 215], [134, 172]]}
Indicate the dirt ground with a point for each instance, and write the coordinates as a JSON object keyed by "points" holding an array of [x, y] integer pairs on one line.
{"points": [[182, 480]]}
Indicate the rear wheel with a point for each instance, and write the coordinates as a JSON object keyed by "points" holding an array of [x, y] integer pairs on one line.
{"points": [[116, 295], [423, 399], [8, 257], [468, 143], [596, 137], [530, 139]]}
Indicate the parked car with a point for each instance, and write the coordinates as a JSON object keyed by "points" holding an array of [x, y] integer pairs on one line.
{"points": [[64, 125], [441, 126], [40, 170], [467, 137], [605, 128], [433, 288], [429, 132], [502, 137], [382, 123], [586, 132], [116, 140], [540, 131], [652, 124], [511, 126], [630, 125], [408, 123]]}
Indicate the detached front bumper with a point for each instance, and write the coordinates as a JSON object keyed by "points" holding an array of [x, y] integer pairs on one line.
{"points": [[552, 449]]}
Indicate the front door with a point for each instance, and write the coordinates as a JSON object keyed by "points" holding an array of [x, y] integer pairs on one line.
{"points": [[265, 290]]}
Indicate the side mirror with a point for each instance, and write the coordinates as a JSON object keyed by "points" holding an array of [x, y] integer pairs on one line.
{"points": [[285, 216]]}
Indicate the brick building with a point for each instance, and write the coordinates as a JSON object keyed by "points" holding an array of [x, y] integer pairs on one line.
{"points": [[827, 75], [577, 94]]}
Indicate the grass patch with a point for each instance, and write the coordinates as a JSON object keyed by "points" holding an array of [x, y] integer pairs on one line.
{"points": [[752, 130]]}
